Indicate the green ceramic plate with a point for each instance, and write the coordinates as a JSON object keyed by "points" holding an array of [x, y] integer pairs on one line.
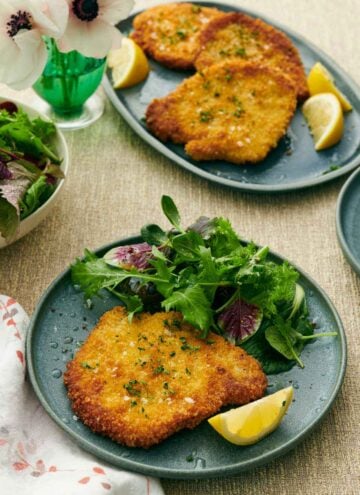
{"points": [[348, 220], [62, 322], [294, 164]]}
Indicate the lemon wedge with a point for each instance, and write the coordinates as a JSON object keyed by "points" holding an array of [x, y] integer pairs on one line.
{"points": [[324, 116], [248, 424], [128, 63], [321, 81]]}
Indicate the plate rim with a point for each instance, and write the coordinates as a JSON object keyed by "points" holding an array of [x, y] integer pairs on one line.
{"points": [[345, 190], [160, 147], [134, 466]]}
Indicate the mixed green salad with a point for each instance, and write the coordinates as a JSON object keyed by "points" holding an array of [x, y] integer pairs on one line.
{"points": [[29, 166], [218, 282]]}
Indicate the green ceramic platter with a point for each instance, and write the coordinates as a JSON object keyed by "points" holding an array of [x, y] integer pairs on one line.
{"points": [[294, 164], [61, 323], [348, 220]]}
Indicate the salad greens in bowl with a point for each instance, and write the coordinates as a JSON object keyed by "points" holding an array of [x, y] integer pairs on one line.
{"points": [[34, 161]]}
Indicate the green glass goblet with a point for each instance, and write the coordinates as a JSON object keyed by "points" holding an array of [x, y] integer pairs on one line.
{"points": [[68, 85]]}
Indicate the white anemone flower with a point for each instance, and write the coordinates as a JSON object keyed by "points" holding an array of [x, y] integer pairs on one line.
{"points": [[23, 52], [91, 28]]}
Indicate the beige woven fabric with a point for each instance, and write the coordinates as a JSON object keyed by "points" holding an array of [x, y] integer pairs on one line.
{"points": [[114, 187]]}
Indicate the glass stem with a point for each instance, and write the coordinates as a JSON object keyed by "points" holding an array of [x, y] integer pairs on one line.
{"points": [[61, 63]]}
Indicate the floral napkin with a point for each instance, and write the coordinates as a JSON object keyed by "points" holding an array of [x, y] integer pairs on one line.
{"points": [[36, 457]]}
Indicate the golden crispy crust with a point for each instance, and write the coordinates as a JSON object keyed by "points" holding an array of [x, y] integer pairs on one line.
{"points": [[170, 33], [237, 35], [139, 383], [233, 111]]}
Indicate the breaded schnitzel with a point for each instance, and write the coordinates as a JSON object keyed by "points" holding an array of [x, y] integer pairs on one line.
{"points": [[237, 35], [170, 33], [233, 111], [139, 383]]}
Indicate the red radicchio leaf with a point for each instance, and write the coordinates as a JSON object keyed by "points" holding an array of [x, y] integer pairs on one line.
{"points": [[135, 255], [5, 173], [240, 321], [9, 106], [14, 190]]}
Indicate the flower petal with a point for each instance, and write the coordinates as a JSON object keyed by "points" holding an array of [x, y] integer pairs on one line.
{"points": [[50, 16], [112, 11], [91, 39], [28, 62]]}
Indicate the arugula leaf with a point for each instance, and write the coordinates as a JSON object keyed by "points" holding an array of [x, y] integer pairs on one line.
{"points": [[258, 347], [43, 129], [208, 272], [280, 339], [35, 196], [171, 212], [22, 133], [187, 276], [93, 274], [223, 239], [153, 234], [166, 286], [187, 246], [133, 303], [194, 305]]}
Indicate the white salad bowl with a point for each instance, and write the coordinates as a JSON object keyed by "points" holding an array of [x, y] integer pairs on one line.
{"points": [[38, 215]]}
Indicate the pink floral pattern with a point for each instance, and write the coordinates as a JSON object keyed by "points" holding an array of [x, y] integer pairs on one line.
{"points": [[34, 453]]}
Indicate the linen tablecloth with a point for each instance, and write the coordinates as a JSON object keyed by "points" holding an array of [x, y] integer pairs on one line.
{"points": [[114, 187]]}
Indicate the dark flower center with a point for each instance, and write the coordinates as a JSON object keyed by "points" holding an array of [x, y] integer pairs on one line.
{"points": [[85, 10], [20, 20]]}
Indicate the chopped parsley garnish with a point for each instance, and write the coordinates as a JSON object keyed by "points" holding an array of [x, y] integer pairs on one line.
{"points": [[205, 116], [130, 387], [88, 366], [332, 168], [181, 34], [228, 75], [167, 389], [185, 346], [195, 9], [241, 52], [238, 112], [160, 369]]}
